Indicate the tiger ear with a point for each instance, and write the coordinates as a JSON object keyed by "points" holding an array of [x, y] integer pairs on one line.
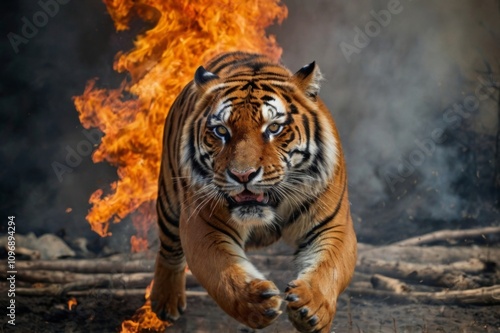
{"points": [[308, 79], [202, 77]]}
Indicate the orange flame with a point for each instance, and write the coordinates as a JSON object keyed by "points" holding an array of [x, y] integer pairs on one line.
{"points": [[72, 303], [144, 319], [186, 34]]}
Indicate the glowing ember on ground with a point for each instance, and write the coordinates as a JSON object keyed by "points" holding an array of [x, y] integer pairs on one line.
{"points": [[72, 303], [186, 34]]}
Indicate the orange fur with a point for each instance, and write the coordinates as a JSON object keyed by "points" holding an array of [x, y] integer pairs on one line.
{"points": [[251, 155]]}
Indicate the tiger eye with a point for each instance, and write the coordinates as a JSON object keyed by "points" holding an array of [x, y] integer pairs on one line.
{"points": [[220, 131], [274, 128]]}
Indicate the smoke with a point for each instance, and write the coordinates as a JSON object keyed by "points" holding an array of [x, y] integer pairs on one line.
{"points": [[70, 43], [388, 90], [392, 70]]}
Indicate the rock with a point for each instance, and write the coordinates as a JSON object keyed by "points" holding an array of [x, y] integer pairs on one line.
{"points": [[48, 246], [52, 247]]}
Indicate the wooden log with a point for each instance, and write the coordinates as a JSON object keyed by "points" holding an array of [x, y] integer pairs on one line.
{"points": [[119, 264], [56, 291], [429, 254], [448, 235], [381, 282], [127, 293], [88, 265], [480, 296], [78, 281], [434, 275], [400, 268]]}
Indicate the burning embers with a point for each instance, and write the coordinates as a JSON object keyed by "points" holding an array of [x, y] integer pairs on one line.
{"points": [[72, 303], [164, 59], [144, 318]]}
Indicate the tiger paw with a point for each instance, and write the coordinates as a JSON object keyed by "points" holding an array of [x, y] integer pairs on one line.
{"points": [[308, 309], [168, 297], [259, 304]]}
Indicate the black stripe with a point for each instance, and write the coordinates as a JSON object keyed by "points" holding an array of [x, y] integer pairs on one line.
{"points": [[308, 240], [213, 65], [171, 207], [272, 75], [173, 220], [319, 159], [301, 210], [164, 229], [230, 227], [175, 252], [305, 123], [218, 242], [195, 165], [273, 178], [290, 139], [293, 109], [267, 88], [316, 235], [330, 217], [239, 57], [250, 84], [230, 90], [306, 155], [225, 232]]}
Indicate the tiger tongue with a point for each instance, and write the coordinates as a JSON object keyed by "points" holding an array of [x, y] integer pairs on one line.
{"points": [[249, 196]]}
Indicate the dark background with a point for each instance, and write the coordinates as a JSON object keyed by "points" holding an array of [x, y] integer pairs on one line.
{"points": [[387, 99]]}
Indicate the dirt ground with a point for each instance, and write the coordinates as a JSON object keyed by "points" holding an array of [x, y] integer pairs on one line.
{"points": [[356, 313]]}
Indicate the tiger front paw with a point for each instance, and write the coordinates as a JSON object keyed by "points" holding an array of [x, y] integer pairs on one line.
{"points": [[308, 309], [258, 304], [168, 297]]}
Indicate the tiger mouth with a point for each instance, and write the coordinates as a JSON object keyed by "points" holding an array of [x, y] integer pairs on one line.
{"points": [[249, 198]]}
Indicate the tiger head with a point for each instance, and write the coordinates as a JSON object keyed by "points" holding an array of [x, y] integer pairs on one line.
{"points": [[259, 143]]}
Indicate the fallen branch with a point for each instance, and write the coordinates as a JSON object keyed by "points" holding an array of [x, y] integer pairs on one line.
{"points": [[434, 275], [120, 265], [479, 296], [128, 280], [429, 254], [56, 292], [381, 282], [447, 235], [127, 293], [88, 265]]}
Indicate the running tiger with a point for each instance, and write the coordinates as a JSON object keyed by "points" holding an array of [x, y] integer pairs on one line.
{"points": [[251, 155]]}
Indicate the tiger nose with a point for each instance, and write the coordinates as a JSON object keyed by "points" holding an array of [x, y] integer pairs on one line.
{"points": [[242, 176]]}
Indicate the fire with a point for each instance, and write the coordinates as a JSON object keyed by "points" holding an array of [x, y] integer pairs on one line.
{"points": [[72, 303], [186, 34], [144, 319]]}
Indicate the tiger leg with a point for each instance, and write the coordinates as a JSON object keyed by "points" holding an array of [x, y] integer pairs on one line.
{"points": [[168, 297], [215, 255], [327, 260]]}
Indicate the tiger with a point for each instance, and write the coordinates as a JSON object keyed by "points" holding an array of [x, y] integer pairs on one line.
{"points": [[251, 155]]}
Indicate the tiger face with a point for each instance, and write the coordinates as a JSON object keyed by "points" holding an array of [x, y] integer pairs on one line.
{"points": [[252, 150]]}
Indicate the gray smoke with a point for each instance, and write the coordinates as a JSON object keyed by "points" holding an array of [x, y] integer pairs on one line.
{"points": [[392, 69]]}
